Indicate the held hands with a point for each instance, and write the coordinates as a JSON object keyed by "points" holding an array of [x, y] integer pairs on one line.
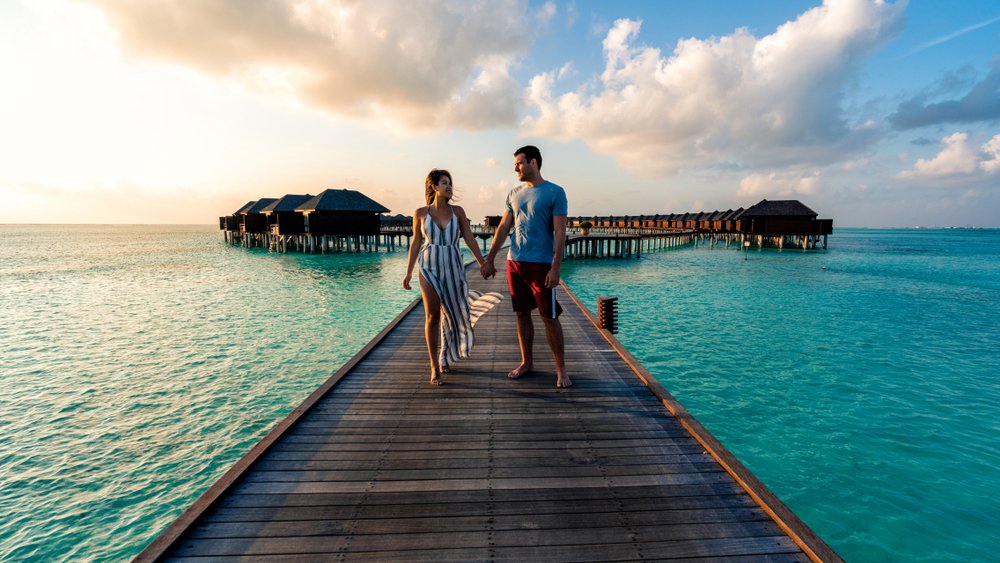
{"points": [[487, 269]]}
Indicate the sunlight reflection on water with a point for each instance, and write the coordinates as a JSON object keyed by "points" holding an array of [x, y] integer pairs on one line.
{"points": [[140, 362]]}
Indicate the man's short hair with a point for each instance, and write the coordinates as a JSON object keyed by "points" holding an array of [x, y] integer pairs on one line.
{"points": [[530, 152]]}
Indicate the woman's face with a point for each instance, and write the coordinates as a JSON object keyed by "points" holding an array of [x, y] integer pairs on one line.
{"points": [[443, 186]]}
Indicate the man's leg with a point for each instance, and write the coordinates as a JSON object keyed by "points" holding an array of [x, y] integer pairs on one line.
{"points": [[554, 333], [525, 338]]}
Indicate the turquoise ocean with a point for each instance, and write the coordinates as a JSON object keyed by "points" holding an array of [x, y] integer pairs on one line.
{"points": [[858, 382]]}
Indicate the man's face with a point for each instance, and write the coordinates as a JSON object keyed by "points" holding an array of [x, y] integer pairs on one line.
{"points": [[522, 167]]}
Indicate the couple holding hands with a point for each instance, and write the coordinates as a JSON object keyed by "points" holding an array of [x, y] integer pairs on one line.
{"points": [[535, 219]]}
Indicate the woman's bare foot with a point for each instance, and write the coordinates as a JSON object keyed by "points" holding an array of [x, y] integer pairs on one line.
{"points": [[436, 376], [519, 371]]}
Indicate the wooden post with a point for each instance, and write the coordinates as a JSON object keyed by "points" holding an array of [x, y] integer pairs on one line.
{"points": [[607, 313]]}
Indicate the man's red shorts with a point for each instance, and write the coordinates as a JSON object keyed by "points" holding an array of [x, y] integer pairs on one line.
{"points": [[526, 281]]}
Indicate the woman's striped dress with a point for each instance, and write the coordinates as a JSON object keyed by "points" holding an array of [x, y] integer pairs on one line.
{"points": [[441, 266]]}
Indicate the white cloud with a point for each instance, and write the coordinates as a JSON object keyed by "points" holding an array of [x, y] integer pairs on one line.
{"points": [[771, 100], [566, 70], [957, 158], [992, 151], [546, 13], [780, 184], [432, 64], [856, 164]]}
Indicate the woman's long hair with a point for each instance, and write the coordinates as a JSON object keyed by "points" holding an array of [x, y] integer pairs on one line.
{"points": [[432, 179]]}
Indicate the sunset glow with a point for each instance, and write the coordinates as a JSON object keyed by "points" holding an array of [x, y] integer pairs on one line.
{"points": [[872, 113]]}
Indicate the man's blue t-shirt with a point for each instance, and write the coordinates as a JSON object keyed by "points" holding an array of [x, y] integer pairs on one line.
{"points": [[532, 238]]}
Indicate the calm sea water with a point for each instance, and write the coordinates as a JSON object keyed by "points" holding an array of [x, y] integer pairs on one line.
{"points": [[859, 383], [139, 363]]}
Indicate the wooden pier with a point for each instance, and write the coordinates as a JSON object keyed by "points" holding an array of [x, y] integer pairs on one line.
{"points": [[606, 243], [623, 243], [378, 465]]}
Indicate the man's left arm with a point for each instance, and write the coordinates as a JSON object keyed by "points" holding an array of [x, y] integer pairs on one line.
{"points": [[559, 230]]}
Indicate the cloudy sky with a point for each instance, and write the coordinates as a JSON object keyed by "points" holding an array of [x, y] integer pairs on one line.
{"points": [[172, 111]]}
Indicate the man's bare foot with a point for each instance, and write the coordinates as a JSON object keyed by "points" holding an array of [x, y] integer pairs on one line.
{"points": [[562, 380], [519, 371]]}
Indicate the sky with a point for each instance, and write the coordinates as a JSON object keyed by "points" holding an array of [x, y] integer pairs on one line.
{"points": [[873, 114]]}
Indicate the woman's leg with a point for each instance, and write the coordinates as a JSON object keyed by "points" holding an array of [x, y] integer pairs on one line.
{"points": [[432, 327]]}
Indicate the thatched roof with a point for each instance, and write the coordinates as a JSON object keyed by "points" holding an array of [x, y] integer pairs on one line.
{"points": [[288, 202], [246, 207], [260, 205], [342, 200], [784, 208]]}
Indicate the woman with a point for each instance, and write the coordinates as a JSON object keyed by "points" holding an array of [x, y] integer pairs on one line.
{"points": [[450, 308]]}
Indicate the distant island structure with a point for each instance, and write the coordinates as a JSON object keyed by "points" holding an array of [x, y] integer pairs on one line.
{"points": [[776, 223], [343, 220], [333, 220]]}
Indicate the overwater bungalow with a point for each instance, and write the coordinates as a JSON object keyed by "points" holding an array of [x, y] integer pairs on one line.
{"points": [[282, 218], [705, 221], [397, 222], [784, 221], [729, 220], [254, 221], [735, 222], [342, 213], [231, 223], [784, 217], [718, 220]]}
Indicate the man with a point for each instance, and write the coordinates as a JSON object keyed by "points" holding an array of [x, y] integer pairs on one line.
{"points": [[536, 211]]}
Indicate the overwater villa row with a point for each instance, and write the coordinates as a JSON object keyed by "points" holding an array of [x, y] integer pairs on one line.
{"points": [[341, 220]]}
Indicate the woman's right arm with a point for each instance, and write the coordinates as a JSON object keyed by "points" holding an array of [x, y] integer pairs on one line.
{"points": [[415, 242]]}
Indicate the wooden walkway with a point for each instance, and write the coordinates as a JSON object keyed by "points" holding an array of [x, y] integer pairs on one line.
{"points": [[377, 465]]}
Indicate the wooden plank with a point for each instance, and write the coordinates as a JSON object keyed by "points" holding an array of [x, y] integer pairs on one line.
{"points": [[534, 472], [319, 487], [443, 522], [274, 463], [519, 555], [588, 543], [347, 508], [667, 495]]}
